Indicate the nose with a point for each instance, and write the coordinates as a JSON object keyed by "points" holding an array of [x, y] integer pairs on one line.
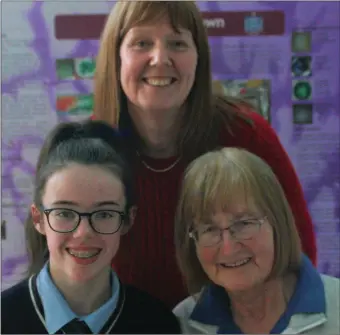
{"points": [[228, 243], [160, 55], [84, 227]]}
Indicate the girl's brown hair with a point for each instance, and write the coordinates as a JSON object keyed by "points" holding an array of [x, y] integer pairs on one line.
{"points": [[87, 143]]}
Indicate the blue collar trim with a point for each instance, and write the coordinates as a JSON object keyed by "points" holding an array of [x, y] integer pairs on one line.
{"points": [[57, 311], [213, 307]]}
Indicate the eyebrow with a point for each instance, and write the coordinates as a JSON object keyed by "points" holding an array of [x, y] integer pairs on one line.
{"points": [[243, 215], [142, 29], [96, 204]]}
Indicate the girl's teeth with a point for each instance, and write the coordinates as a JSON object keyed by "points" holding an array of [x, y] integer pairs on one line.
{"points": [[159, 82], [84, 254]]}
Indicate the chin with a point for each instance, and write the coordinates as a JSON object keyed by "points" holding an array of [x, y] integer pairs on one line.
{"points": [[233, 283], [158, 106], [240, 284], [237, 286]]}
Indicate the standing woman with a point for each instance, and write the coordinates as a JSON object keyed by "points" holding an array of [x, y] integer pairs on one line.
{"points": [[153, 81]]}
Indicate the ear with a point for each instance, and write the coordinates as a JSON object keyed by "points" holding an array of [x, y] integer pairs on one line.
{"points": [[132, 215], [38, 219]]}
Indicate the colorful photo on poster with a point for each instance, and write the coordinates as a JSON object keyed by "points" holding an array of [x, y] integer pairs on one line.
{"points": [[303, 114], [301, 41], [255, 91], [75, 68], [253, 24], [301, 66], [75, 105], [302, 90]]}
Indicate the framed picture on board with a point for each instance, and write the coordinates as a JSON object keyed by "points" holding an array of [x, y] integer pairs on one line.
{"points": [[255, 92]]}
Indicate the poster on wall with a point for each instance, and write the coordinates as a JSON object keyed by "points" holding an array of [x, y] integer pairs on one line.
{"points": [[281, 57], [44, 81], [255, 91]]}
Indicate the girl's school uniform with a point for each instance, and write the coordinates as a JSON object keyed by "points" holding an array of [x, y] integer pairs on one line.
{"points": [[36, 306], [58, 313]]}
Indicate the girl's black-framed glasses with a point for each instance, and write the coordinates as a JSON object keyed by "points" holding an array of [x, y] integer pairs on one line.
{"points": [[65, 220]]}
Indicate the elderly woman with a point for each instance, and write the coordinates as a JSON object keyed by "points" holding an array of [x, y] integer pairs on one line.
{"points": [[239, 251], [153, 81]]}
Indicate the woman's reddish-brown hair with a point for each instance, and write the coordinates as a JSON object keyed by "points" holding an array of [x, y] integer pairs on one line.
{"points": [[205, 111]]}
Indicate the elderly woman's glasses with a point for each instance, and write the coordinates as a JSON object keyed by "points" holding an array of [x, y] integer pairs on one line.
{"points": [[210, 235], [63, 220]]}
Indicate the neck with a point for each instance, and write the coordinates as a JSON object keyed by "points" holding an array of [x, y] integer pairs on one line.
{"points": [[84, 297], [262, 306], [158, 131]]}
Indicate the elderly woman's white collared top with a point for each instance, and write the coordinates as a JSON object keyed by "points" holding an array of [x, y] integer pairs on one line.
{"points": [[314, 308]]}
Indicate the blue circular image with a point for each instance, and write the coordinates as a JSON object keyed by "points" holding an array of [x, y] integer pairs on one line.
{"points": [[301, 66]]}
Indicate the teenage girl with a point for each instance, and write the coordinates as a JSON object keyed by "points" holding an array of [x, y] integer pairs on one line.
{"points": [[83, 203]]}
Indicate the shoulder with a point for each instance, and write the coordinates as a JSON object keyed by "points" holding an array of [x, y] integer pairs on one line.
{"points": [[18, 308], [183, 312], [332, 291], [254, 134], [185, 307], [332, 295], [247, 127], [15, 294], [147, 310], [331, 282]]}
